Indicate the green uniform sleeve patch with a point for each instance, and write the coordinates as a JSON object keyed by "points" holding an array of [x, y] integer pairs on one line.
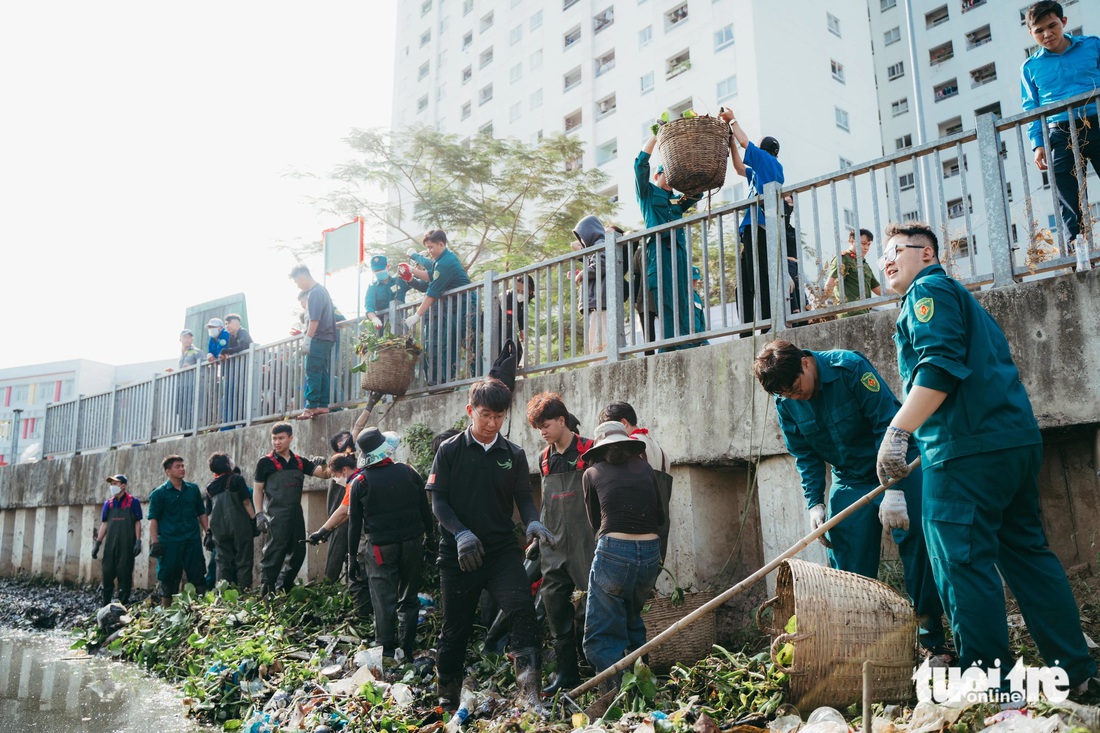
{"points": [[870, 381], [923, 309]]}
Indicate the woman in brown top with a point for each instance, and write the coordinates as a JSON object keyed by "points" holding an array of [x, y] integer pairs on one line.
{"points": [[620, 492]]}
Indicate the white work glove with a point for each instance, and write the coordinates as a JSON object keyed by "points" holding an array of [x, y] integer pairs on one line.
{"points": [[377, 322], [892, 512], [891, 455], [306, 343], [817, 518], [411, 252], [412, 320]]}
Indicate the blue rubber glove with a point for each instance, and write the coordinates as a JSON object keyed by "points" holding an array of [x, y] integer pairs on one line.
{"points": [[891, 455], [470, 551]]}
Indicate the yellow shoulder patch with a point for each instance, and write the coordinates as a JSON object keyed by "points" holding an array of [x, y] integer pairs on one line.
{"points": [[870, 381], [923, 309]]}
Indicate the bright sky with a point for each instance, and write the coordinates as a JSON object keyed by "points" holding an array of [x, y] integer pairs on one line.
{"points": [[147, 153]]}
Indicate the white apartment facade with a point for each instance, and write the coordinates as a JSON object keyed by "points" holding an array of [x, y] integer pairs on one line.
{"points": [[965, 60], [603, 70]]}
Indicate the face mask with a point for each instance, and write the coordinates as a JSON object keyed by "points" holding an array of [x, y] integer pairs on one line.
{"points": [[213, 332], [382, 275], [340, 481], [115, 489]]}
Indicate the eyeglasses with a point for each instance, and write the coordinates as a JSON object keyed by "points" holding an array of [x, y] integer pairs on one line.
{"points": [[488, 416], [794, 389], [891, 254]]}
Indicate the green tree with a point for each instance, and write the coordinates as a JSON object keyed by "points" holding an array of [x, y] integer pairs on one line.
{"points": [[500, 201]]}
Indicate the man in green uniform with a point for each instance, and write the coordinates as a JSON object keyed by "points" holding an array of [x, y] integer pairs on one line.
{"points": [[384, 290], [834, 409], [660, 205], [278, 483], [120, 528], [848, 269], [565, 565], [981, 452], [177, 518], [448, 332]]}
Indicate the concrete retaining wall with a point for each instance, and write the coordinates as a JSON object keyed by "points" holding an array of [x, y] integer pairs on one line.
{"points": [[702, 404]]}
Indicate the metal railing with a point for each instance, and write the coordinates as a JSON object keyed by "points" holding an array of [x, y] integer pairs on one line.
{"points": [[978, 189]]}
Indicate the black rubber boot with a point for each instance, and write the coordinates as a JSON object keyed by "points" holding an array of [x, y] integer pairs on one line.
{"points": [[567, 675], [528, 666], [447, 694]]}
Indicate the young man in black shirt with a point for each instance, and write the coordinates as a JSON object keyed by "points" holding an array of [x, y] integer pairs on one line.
{"points": [[477, 479]]}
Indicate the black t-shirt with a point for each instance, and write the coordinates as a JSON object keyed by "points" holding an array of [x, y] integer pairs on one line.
{"points": [[563, 462], [265, 466], [622, 498], [483, 488]]}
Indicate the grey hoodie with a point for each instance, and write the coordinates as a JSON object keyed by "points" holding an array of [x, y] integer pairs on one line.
{"points": [[590, 232]]}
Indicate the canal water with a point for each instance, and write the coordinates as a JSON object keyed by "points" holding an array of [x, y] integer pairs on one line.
{"points": [[46, 688]]}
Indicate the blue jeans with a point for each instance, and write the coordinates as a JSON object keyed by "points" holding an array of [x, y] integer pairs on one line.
{"points": [[622, 577], [318, 368]]}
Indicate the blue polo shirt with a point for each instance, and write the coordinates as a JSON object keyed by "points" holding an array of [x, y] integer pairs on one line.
{"points": [[1048, 77], [116, 502], [763, 168]]}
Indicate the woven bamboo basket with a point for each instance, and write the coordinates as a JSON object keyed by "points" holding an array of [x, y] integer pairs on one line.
{"points": [[694, 151], [842, 619], [391, 370], [691, 644]]}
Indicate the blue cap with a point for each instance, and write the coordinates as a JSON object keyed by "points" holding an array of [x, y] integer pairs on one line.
{"points": [[118, 478], [695, 274], [378, 262]]}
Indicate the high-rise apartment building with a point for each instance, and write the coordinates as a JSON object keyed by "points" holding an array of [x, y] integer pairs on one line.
{"points": [[603, 70]]}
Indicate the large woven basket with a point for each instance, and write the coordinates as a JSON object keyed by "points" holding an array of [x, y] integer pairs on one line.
{"points": [[391, 370], [842, 619], [691, 644], [694, 151]]}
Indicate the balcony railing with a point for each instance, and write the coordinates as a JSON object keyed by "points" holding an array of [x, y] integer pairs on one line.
{"points": [[464, 330]]}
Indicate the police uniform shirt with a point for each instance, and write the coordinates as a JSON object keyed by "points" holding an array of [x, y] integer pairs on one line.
{"points": [[448, 275], [176, 511]]}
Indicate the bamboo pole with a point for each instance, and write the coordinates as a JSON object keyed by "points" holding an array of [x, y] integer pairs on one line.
{"points": [[717, 601]]}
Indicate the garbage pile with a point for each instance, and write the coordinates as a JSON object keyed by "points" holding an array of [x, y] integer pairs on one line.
{"points": [[302, 662]]}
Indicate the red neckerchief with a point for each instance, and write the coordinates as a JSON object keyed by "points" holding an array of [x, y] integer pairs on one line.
{"points": [[123, 502], [643, 431], [383, 462], [273, 457]]}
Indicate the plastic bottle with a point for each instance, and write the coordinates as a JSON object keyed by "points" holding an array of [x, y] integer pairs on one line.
{"points": [[1081, 249], [467, 701]]}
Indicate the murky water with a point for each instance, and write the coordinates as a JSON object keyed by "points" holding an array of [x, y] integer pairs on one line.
{"points": [[45, 688]]}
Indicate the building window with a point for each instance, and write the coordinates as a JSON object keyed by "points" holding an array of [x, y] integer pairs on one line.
{"points": [[486, 129], [951, 126], [678, 64], [946, 90], [422, 104], [850, 219], [605, 63], [941, 53], [905, 181], [727, 88], [425, 8], [573, 121], [983, 75], [572, 36], [485, 94], [723, 37], [838, 70], [572, 79], [575, 165], [536, 20], [535, 61], [978, 37], [645, 35], [955, 208], [467, 74], [833, 24], [899, 107], [422, 71], [995, 108], [607, 152], [891, 36], [676, 16], [466, 110], [885, 5], [467, 40], [536, 99], [841, 118], [910, 216], [845, 163], [939, 16], [606, 106], [647, 82], [895, 71], [486, 58], [440, 92], [486, 22], [951, 168], [515, 111], [603, 20], [903, 142], [566, 4], [467, 6], [516, 73], [425, 38], [971, 4], [611, 194], [677, 110], [516, 35]]}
